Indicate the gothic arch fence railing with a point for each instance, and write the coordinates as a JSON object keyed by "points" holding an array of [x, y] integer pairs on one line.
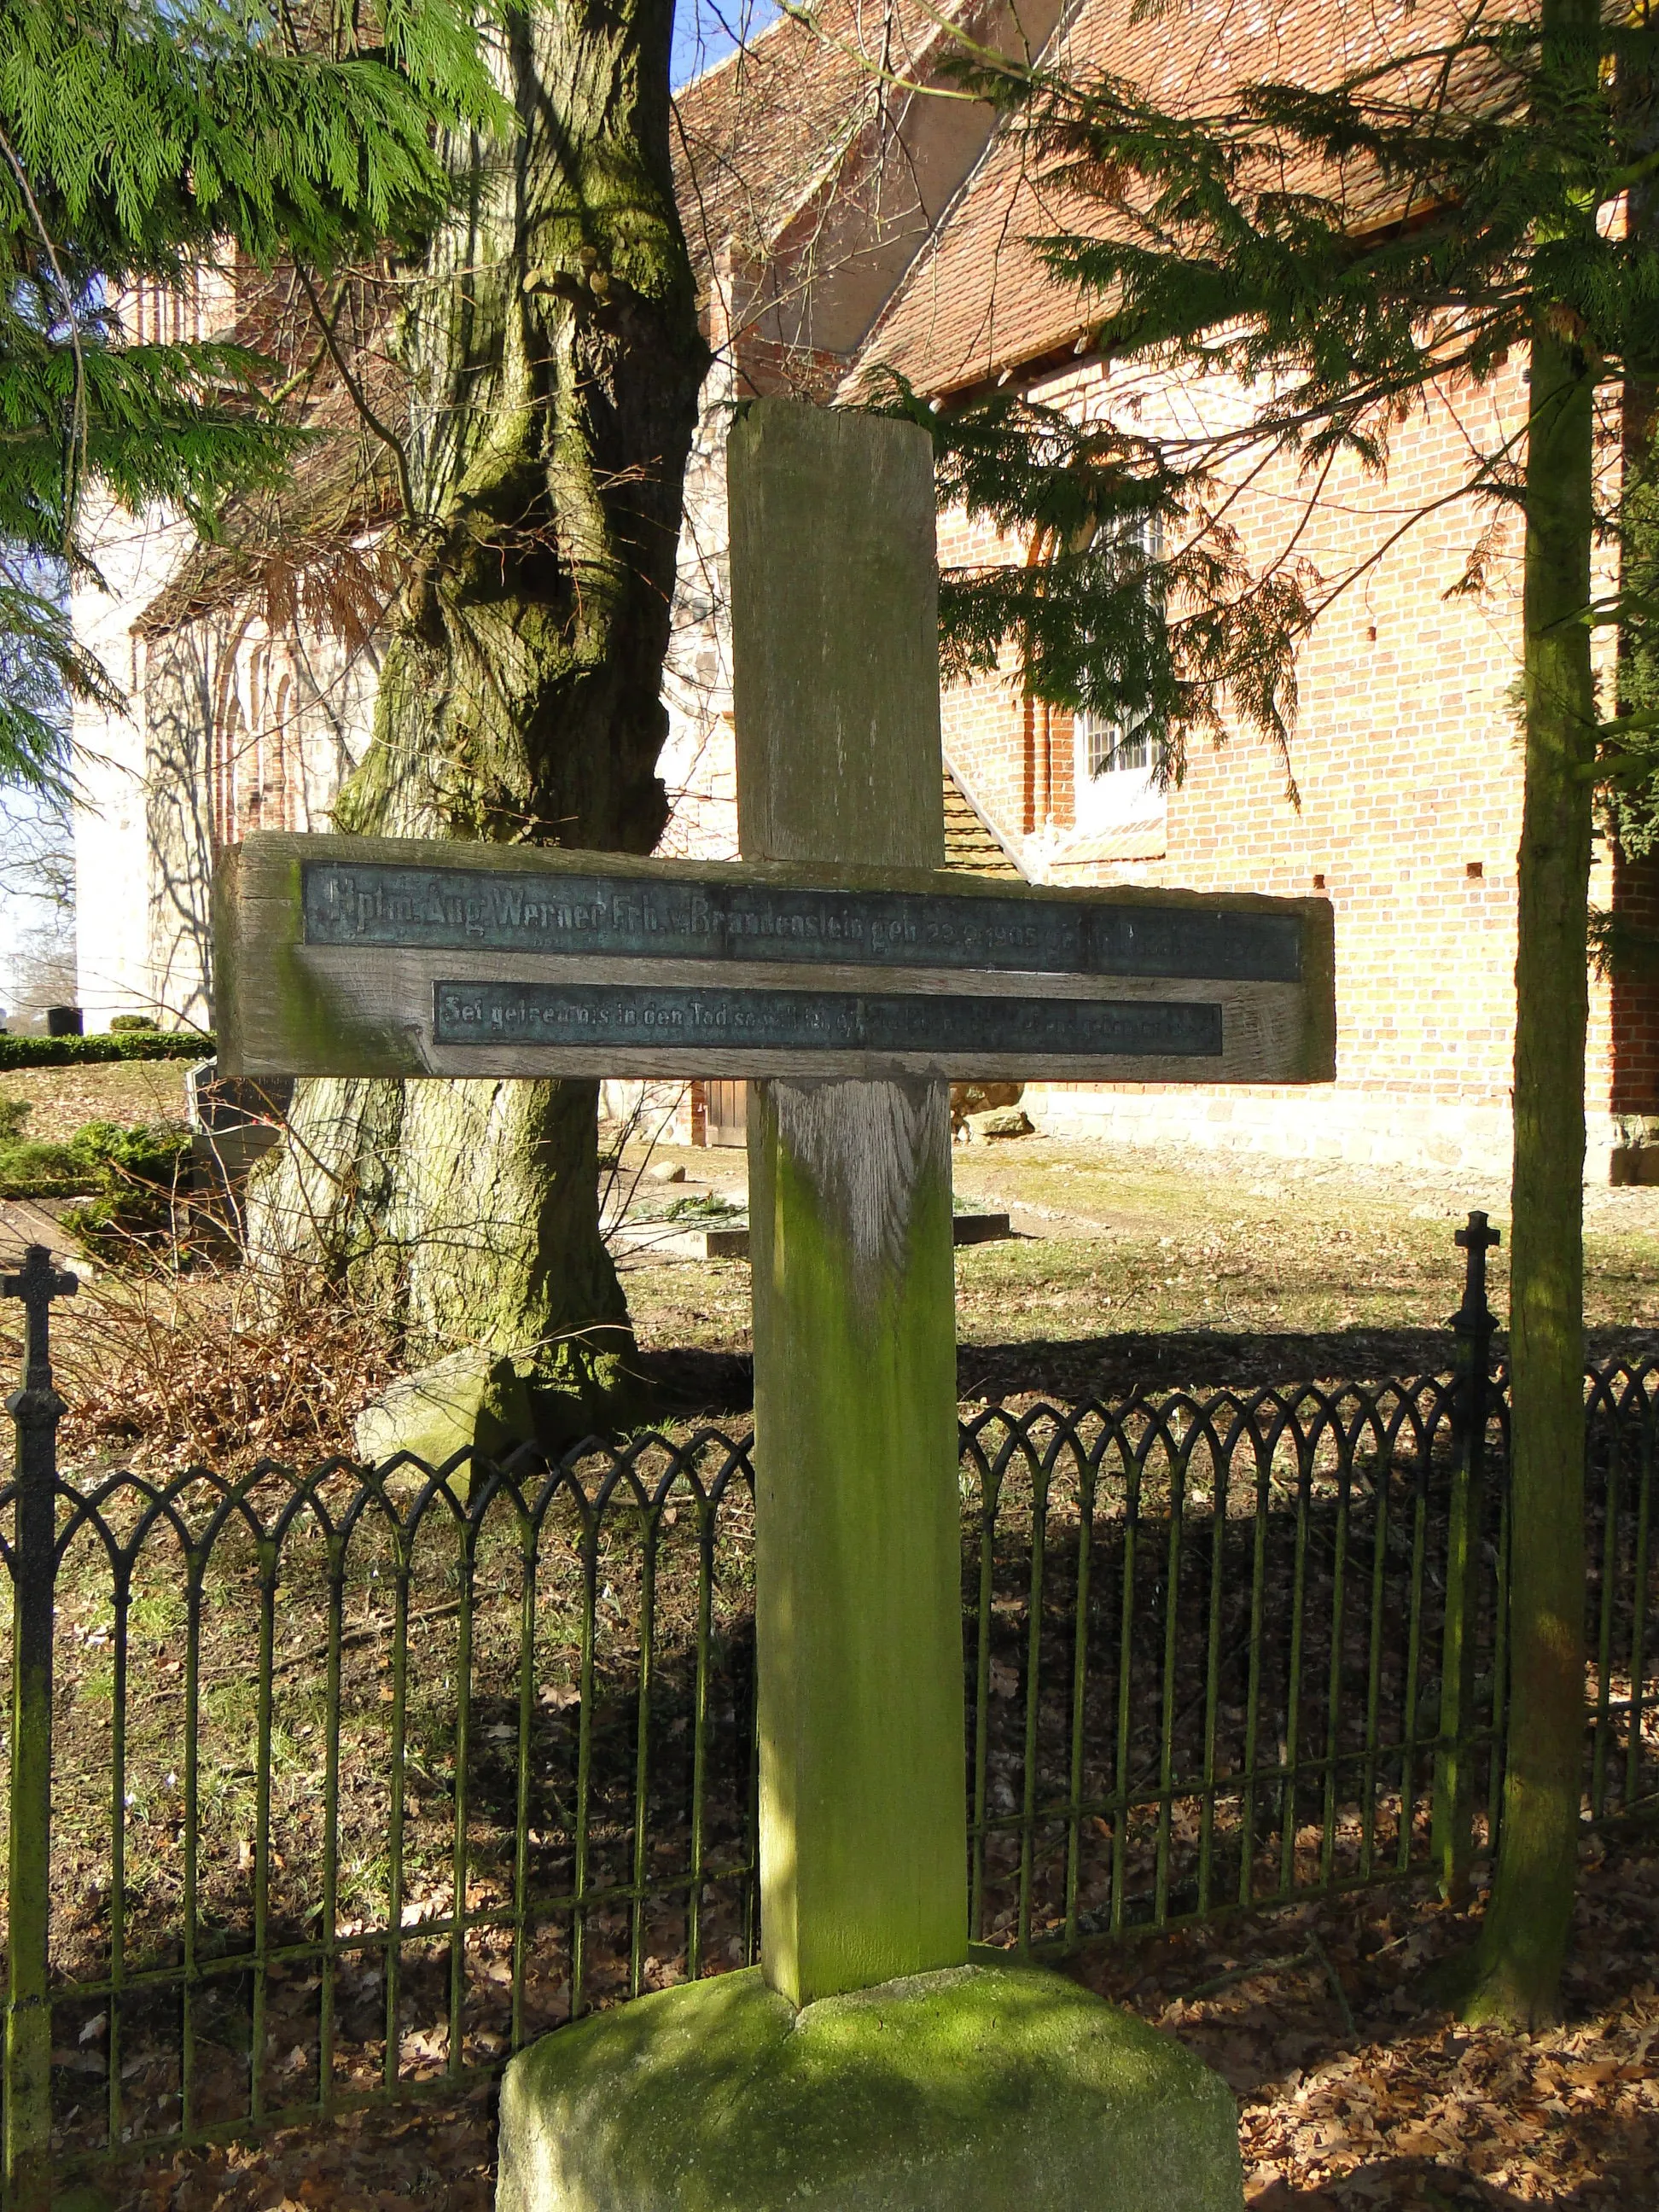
{"points": [[351, 1781]]}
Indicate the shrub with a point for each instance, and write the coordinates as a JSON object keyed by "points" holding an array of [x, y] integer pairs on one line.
{"points": [[139, 1176], [221, 1364], [119, 1023], [37, 1170], [707, 1205], [87, 1051]]}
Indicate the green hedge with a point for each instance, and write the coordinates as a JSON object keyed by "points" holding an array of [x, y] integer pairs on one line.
{"points": [[86, 1051]]}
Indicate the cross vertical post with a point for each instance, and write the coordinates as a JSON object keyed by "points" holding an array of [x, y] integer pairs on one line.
{"points": [[35, 1409], [863, 1834]]}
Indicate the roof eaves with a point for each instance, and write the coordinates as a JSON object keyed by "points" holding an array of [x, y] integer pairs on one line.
{"points": [[917, 271], [984, 820], [821, 182]]}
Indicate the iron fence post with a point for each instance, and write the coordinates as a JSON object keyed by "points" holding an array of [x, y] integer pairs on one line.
{"points": [[1452, 1842], [34, 1409]]}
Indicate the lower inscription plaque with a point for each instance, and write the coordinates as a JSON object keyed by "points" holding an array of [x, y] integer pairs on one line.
{"points": [[589, 1014]]}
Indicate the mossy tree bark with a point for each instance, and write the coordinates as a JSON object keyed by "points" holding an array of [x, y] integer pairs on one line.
{"points": [[1518, 1965], [555, 359]]}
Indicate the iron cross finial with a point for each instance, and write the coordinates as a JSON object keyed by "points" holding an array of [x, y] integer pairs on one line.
{"points": [[36, 1284], [1474, 1317], [1478, 1236]]}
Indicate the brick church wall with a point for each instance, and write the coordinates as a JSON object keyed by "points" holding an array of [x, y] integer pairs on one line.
{"points": [[1632, 998], [1405, 756]]}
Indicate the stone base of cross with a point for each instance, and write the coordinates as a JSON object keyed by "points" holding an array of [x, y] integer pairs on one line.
{"points": [[869, 2062]]}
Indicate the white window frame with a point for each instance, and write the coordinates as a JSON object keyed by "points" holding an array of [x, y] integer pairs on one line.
{"points": [[1114, 767], [1116, 776]]}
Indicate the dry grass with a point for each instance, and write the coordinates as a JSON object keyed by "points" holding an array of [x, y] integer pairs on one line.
{"points": [[130, 1092], [161, 1370], [1146, 1271], [1140, 1268]]}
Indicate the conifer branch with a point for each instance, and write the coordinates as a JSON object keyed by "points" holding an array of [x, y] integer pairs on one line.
{"points": [[75, 438]]}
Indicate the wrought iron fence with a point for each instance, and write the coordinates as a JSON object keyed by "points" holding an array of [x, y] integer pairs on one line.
{"points": [[329, 1785]]}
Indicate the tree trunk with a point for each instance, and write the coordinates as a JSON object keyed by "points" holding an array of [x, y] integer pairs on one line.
{"points": [[555, 360], [1517, 1965]]}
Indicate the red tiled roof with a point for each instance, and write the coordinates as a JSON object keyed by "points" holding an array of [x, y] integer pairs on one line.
{"points": [[755, 136], [969, 841], [977, 300]]}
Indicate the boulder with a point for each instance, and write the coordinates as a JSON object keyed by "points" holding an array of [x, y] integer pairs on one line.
{"points": [[472, 1401], [968, 1098], [998, 1122]]}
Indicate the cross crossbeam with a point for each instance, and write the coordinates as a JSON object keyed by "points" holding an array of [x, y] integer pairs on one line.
{"points": [[353, 955], [1474, 1317]]}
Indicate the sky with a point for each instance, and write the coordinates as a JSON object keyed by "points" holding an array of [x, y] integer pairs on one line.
{"points": [[707, 30]]}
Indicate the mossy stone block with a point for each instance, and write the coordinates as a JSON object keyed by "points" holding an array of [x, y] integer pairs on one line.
{"points": [[999, 1122], [469, 1401], [982, 2088]]}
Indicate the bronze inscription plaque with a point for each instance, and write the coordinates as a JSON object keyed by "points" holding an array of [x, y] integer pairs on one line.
{"points": [[455, 910], [587, 1015]]}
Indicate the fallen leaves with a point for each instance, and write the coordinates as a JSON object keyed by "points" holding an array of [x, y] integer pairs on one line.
{"points": [[1410, 2113], [365, 2161]]}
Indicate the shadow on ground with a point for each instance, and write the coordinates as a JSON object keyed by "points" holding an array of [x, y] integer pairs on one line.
{"points": [[1355, 2096], [684, 1383], [1623, 2179], [1212, 1359]]}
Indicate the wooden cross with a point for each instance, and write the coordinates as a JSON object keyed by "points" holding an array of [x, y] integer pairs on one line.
{"points": [[36, 1284], [844, 968]]}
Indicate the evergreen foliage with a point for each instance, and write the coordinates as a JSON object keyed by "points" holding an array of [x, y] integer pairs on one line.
{"points": [[104, 1159], [139, 140], [1476, 187], [1138, 603], [1352, 247]]}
